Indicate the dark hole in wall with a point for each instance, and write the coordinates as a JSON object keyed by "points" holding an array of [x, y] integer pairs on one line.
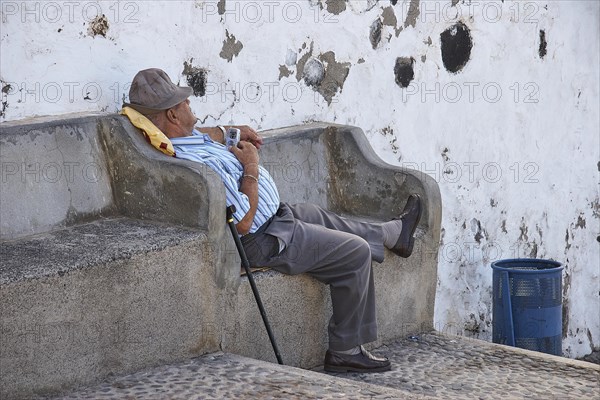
{"points": [[196, 78], [456, 47], [404, 71], [543, 44]]}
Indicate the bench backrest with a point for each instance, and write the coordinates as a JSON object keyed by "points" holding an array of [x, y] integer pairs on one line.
{"points": [[53, 174], [72, 170], [65, 171]]}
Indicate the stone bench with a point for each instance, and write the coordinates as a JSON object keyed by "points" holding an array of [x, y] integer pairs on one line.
{"points": [[116, 257]]}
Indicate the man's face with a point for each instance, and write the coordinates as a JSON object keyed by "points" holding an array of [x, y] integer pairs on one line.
{"points": [[186, 116]]}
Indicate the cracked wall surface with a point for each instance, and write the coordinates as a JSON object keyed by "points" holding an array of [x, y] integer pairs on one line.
{"points": [[497, 100]]}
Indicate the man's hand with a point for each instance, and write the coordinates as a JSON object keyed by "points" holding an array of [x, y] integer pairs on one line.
{"points": [[249, 135], [246, 153]]}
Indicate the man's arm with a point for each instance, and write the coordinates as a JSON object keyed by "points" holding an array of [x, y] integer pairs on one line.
{"points": [[247, 154], [215, 134]]}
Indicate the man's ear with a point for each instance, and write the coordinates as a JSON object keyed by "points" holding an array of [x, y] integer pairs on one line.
{"points": [[172, 115]]}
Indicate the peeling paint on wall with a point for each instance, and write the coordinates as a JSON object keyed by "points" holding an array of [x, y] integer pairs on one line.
{"points": [[98, 26], [302, 61], [284, 72], [566, 282], [595, 206], [414, 11], [335, 76], [375, 33], [580, 222], [6, 88], [327, 81], [231, 47], [523, 228], [445, 154], [533, 253], [389, 131], [388, 18], [336, 7], [478, 232], [543, 44]]}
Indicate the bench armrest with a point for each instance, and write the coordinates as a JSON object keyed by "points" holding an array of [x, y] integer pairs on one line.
{"points": [[150, 185], [356, 181]]}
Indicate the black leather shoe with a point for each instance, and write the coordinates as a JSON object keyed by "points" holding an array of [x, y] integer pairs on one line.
{"points": [[410, 217], [361, 362]]}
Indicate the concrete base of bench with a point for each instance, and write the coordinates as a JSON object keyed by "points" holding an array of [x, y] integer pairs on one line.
{"points": [[101, 298]]}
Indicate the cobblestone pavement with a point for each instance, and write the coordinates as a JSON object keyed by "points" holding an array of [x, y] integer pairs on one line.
{"points": [[430, 366], [448, 367], [227, 376]]}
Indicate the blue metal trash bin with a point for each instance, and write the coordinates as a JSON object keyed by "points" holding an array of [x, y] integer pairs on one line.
{"points": [[527, 304]]}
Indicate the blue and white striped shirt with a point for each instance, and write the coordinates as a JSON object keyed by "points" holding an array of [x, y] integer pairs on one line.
{"points": [[201, 148]]}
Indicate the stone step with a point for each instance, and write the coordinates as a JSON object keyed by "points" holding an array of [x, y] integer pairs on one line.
{"points": [[428, 366]]}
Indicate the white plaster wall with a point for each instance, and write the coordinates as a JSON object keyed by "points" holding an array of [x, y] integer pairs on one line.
{"points": [[512, 139]]}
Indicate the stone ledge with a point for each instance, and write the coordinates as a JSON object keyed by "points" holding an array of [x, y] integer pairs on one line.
{"points": [[84, 246]]}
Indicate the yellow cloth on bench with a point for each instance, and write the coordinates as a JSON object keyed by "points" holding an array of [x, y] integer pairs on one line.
{"points": [[153, 135]]}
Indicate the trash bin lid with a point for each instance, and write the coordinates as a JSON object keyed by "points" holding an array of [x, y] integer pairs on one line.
{"points": [[527, 265]]}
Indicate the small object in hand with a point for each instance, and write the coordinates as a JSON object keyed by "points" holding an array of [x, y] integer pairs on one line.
{"points": [[232, 138]]}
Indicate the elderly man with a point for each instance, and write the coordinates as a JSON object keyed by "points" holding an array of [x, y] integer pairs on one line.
{"points": [[292, 239]]}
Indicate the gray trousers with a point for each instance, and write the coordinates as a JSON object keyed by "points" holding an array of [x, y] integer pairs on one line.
{"points": [[334, 250]]}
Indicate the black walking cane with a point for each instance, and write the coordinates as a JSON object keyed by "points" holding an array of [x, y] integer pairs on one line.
{"points": [[246, 264]]}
